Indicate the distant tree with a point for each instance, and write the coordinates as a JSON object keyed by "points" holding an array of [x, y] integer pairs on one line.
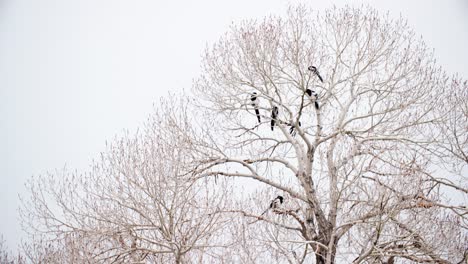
{"points": [[362, 176], [135, 205], [6, 257]]}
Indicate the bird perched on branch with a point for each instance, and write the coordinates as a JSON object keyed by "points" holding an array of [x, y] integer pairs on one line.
{"points": [[274, 116], [292, 131], [314, 70], [254, 100], [313, 96], [275, 203]]}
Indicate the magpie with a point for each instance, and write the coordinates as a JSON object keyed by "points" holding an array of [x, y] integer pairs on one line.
{"points": [[275, 203], [313, 96], [254, 100], [292, 131], [315, 71], [274, 116]]}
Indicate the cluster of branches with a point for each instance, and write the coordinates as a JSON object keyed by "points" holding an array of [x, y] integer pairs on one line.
{"points": [[376, 174], [6, 257], [136, 204], [365, 166]]}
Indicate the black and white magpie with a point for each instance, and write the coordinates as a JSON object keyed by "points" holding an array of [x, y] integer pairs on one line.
{"points": [[313, 96], [254, 100], [292, 131], [274, 116], [275, 203], [315, 71]]}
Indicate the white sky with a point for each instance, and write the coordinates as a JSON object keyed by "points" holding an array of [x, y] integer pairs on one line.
{"points": [[74, 74]]}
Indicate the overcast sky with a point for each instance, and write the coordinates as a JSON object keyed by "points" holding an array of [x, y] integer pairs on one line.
{"points": [[76, 73]]}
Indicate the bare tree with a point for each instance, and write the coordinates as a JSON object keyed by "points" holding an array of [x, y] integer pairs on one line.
{"points": [[6, 257], [360, 175], [137, 203], [322, 138]]}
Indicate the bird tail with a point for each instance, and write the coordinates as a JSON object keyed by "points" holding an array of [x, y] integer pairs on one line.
{"points": [[320, 77], [316, 105], [257, 112], [272, 125]]}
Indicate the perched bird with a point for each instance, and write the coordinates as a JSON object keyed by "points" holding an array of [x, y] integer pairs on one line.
{"points": [[274, 116], [292, 131], [315, 71], [254, 100], [313, 96], [275, 203]]}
